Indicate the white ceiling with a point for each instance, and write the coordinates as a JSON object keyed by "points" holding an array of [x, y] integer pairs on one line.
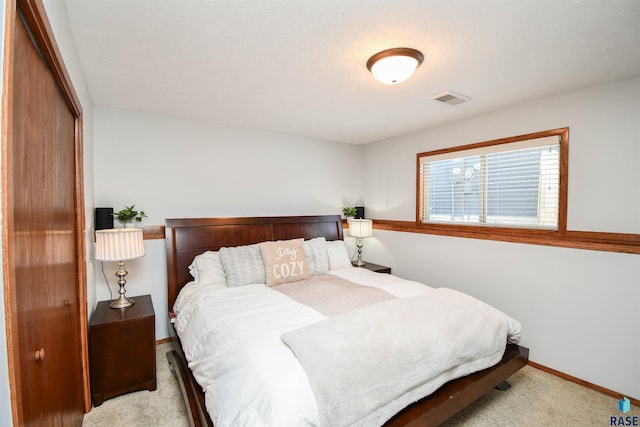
{"points": [[299, 66]]}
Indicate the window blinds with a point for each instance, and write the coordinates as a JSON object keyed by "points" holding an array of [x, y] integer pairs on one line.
{"points": [[508, 185]]}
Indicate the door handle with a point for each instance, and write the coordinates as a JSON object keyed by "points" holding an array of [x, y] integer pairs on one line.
{"points": [[67, 303], [40, 354]]}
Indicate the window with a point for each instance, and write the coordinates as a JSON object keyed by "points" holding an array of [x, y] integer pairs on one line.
{"points": [[515, 182]]}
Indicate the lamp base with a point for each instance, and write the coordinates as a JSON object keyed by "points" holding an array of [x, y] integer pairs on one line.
{"points": [[122, 302], [359, 262]]}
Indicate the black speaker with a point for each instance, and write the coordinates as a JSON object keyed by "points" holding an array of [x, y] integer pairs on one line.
{"points": [[359, 212], [103, 218]]}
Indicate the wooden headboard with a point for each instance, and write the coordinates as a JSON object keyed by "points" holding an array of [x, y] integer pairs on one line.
{"points": [[188, 237]]}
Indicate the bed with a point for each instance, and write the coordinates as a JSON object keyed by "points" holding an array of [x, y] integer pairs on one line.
{"points": [[188, 238]]}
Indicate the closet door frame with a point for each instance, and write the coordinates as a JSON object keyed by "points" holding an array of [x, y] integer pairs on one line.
{"points": [[34, 14]]}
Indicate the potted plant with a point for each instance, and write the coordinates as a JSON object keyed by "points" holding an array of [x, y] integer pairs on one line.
{"points": [[128, 215], [349, 211]]}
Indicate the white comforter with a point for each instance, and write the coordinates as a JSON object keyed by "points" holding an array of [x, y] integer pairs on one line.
{"points": [[232, 341]]}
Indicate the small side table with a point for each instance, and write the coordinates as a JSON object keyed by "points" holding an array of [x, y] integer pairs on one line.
{"points": [[122, 349], [375, 267]]}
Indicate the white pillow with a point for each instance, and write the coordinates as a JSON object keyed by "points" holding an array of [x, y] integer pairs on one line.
{"points": [[338, 256], [243, 265], [317, 256], [206, 268]]}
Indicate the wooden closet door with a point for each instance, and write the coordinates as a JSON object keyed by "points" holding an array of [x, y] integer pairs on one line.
{"points": [[43, 248]]}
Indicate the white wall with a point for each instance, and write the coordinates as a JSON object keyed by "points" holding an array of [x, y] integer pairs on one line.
{"points": [[578, 308], [173, 168]]}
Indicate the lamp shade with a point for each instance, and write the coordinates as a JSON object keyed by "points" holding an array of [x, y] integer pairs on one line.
{"points": [[360, 228], [119, 244]]}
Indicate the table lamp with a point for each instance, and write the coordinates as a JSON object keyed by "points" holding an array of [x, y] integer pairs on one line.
{"points": [[360, 228], [119, 244]]}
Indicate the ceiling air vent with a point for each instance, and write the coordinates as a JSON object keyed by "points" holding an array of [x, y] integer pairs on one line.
{"points": [[451, 98]]}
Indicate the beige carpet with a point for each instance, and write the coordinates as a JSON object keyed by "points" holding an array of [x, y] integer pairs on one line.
{"points": [[536, 399], [162, 407]]}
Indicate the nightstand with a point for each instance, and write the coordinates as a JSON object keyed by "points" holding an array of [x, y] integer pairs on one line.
{"points": [[122, 349], [375, 267]]}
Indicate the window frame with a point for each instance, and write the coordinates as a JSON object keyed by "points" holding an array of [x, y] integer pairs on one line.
{"points": [[518, 234]]}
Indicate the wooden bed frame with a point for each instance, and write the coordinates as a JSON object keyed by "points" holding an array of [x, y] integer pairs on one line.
{"points": [[186, 238]]}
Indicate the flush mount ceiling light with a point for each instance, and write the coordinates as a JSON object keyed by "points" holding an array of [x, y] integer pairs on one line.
{"points": [[395, 65]]}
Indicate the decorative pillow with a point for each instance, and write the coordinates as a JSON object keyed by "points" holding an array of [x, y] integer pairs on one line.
{"points": [[316, 252], [284, 261], [242, 265], [338, 256], [206, 269]]}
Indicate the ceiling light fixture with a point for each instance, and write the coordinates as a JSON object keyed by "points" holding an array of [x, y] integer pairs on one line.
{"points": [[395, 65]]}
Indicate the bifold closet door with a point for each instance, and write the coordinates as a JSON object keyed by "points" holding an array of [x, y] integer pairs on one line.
{"points": [[42, 245]]}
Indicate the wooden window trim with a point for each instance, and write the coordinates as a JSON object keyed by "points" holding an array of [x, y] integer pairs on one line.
{"points": [[610, 242], [562, 133]]}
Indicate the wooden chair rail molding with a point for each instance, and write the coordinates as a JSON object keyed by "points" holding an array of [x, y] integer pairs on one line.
{"points": [[597, 241], [152, 232]]}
